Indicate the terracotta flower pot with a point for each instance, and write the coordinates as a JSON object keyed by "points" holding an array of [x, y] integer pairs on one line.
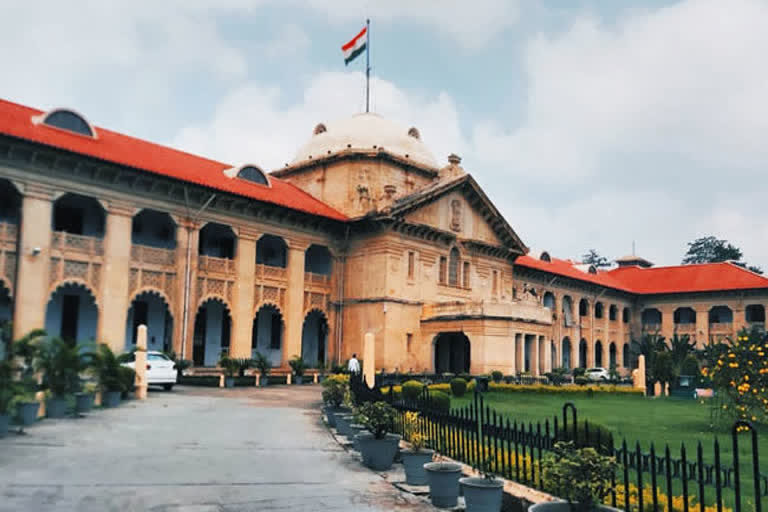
{"points": [[413, 463], [482, 494], [443, 483], [378, 454]]}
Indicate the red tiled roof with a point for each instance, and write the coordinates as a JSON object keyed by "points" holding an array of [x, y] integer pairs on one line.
{"points": [[566, 268], [15, 120], [705, 277], [677, 279]]}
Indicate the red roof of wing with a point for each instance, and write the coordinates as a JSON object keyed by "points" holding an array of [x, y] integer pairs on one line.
{"points": [[678, 279], [566, 268], [706, 277], [16, 121]]}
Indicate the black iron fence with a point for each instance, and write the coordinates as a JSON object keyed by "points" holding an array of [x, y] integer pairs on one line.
{"points": [[666, 479]]}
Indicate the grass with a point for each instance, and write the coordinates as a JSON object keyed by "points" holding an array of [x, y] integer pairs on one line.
{"points": [[660, 421]]}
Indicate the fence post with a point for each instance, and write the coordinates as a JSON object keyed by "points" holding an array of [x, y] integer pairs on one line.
{"points": [[755, 464]]}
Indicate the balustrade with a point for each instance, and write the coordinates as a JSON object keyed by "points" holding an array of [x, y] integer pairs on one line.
{"points": [[212, 264], [143, 254], [90, 245]]}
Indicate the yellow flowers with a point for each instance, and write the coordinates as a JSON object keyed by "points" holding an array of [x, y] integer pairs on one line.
{"points": [[566, 390]]}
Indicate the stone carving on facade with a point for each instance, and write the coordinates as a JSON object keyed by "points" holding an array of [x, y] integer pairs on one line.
{"points": [[529, 294], [456, 215]]}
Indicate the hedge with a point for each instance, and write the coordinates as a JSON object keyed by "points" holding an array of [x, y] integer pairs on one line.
{"points": [[564, 390]]}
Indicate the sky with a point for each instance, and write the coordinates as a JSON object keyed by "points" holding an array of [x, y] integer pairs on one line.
{"points": [[589, 123]]}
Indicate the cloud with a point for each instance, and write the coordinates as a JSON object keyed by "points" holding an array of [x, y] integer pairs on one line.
{"points": [[471, 24], [252, 124], [667, 105]]}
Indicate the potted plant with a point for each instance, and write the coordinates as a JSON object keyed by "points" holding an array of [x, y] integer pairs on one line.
{"points": [[105, 367], [243, 364], [261, 363], [84, 398], [356, 426], [415, 457], [377, 446], [10, 388], [26, 349], [334, 390], [484, 493], [580, 476], [443, 480], [230, 367], [61, 362], [298, 367]]}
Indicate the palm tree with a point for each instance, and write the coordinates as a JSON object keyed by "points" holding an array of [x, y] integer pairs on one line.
{"points": [[679, 348], [106, 368]]}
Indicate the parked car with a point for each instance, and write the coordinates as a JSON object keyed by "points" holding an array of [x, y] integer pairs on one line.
{"points": [[161, 370], [597, 374]]}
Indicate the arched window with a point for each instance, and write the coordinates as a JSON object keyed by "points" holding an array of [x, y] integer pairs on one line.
{"points": [[598, 310], [453, 267], [253, 174], [68, 120], [613, 313], [625, 315], [583, 307]]}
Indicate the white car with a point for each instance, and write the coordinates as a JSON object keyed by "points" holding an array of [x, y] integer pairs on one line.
{"points": [[161, 370], [597, 374]]}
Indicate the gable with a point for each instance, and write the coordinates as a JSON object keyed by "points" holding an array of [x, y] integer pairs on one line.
{"points": [[453, 213]]}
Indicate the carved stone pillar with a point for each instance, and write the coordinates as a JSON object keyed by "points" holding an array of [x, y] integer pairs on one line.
{"points": [[242, 309], [34, 260], [115, 276], [294, 311]]}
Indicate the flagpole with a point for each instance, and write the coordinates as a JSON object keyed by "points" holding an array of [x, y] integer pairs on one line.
{"points": [[367, 65]]}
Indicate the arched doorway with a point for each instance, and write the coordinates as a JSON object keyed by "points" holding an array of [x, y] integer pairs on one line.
{"points": [[267, 334], [452, 351], [213, 328], [150, 309], [313, 338], [598, 353], [72, 313], [566, 352], [583, 353]]}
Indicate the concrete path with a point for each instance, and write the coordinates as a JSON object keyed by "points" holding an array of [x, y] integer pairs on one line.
{"points": [[195, 450]]}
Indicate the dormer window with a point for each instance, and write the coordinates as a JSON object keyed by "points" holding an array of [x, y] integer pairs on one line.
{"points": [[250, 173], [545, 257], [67, 120]]}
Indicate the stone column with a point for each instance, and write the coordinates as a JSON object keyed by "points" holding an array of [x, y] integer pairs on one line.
{"points": [[739, 318], [548, 344], [294, 310], [31, 291], [242, 309], [513, 365], [702, 326], [519, 352], [114, 277], [667, 321], [534, 355], [187, 239]]}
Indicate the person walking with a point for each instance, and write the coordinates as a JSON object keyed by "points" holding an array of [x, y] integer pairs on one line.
{"points": [[354, 365]]}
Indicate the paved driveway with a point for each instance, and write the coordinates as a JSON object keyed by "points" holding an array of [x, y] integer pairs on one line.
{"points": [[193, 450]]}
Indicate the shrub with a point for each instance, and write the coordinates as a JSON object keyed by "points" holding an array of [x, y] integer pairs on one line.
{"points": [[229, 365], [106, 368], [298, 366], [440, 401], [243, 363], [496, 375], [412, 431], [581, 380], [334, 392], [690, 366], [564, 390], [445, 387], [412, 390], [60, 362], [557, 375], [378, 418], [458, 387], [579, 372], [579, 475], [467, 377], [599, 437], [261, 363], [127, 378]]}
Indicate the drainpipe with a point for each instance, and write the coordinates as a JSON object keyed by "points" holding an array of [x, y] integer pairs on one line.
{"points": [[188, 275]]}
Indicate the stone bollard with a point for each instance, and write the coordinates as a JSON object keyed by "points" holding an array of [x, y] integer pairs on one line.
{"points": [[315, 379], [258, 379], [369, 359], [141, 362], [288, 378], [221, 380]]}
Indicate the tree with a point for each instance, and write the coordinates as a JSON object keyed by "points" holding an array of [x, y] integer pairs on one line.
{"points": [[680, 347], [710, 249], [594, 258]]}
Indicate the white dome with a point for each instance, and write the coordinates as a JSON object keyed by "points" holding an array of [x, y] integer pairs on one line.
{"points": [[366, 132]]}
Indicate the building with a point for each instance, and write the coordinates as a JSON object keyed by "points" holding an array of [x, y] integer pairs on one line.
{"points": [[362, 232]]}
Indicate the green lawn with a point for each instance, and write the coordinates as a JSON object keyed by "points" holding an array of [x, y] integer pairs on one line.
{"points": [[637, 419]]}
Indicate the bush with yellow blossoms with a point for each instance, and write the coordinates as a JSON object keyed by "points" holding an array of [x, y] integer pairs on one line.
{"points": [[739, 373]]}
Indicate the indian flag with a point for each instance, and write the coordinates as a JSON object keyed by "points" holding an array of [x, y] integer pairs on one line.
{"points": [[355, 46]]}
